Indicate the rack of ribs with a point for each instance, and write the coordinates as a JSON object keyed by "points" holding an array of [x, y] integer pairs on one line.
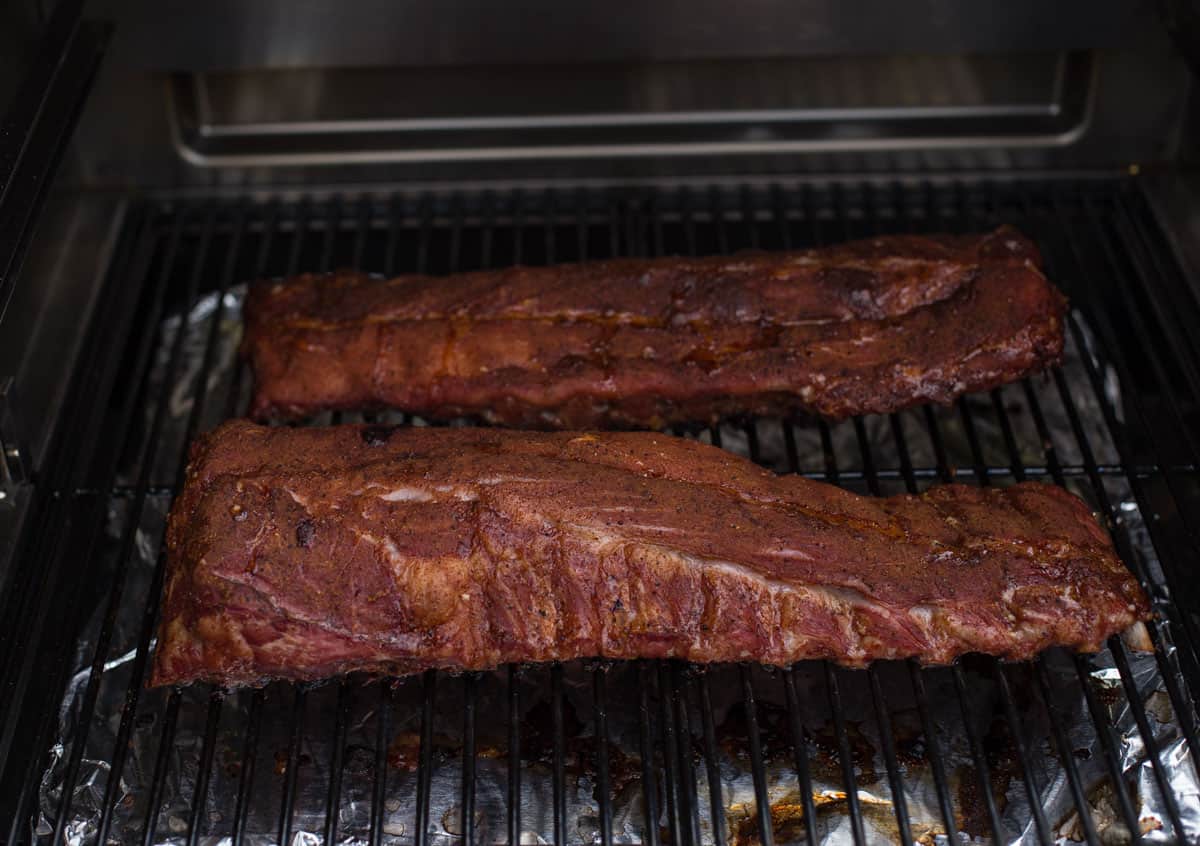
{"points": [[867, 326], [307, 553]]}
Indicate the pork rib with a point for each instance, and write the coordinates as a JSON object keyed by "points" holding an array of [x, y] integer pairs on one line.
{"points": [[307, 553], [868, 326]]}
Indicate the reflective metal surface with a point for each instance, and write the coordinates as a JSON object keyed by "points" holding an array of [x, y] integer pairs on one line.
{"points": [[371, 92], [43, 331], [228, 34], [728, 107]]}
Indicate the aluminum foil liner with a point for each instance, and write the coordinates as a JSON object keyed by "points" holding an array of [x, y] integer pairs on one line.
{"points": [[172, 792]]}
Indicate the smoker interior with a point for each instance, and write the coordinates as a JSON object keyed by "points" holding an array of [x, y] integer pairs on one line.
{"points": [[617, 752]]}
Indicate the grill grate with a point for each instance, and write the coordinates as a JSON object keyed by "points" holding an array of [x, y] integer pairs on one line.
{"points": [[1129, 404]]}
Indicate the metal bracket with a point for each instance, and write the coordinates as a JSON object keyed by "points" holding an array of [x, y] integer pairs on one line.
{"points": [[15, 459]]}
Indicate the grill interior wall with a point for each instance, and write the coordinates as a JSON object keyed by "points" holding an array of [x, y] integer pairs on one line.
{"points": [[1129, 401]]}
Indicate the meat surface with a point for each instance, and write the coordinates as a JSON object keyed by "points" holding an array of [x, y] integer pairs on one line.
{"points": [[307, 553], [868, 326]]}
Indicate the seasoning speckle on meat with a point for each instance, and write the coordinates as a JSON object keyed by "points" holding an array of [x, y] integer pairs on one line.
{"points": [[305, 533], [468, 548], [867, 326]]}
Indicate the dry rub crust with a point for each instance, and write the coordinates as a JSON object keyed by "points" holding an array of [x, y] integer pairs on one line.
{"points": [[307, 553], [868, 326]]}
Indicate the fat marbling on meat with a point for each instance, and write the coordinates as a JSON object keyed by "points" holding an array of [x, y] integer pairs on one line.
{"points": [[867, 326], [306, 553]]}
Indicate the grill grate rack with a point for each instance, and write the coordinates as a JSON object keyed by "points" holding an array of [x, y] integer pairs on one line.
{"points": [[1130, 405]]}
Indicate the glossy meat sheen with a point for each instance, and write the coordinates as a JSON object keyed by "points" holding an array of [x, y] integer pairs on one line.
{"points": [[306, 553], [869, 326]]}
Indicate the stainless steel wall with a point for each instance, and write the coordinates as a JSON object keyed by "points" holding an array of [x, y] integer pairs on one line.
{"points": [[295, 92]]}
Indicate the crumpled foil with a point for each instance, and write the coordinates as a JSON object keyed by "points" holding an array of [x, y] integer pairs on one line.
{"points": [[361, 701]]}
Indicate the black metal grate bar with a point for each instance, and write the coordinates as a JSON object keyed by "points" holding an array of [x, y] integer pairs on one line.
{"points": [[895, 778], [379, 775], [933, 746], [425, 766], [559, 798], [216, 701], [149, 827], [1134, 295], [1024, 753], [646, 752], [467, 823], [246, 770], [291, 771], [762, 803], [800, 751], [603, 784], [982, 771], [334, 796], [513, 820], [844, 756], [686, 800], [712, 762], [672, 778]]}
